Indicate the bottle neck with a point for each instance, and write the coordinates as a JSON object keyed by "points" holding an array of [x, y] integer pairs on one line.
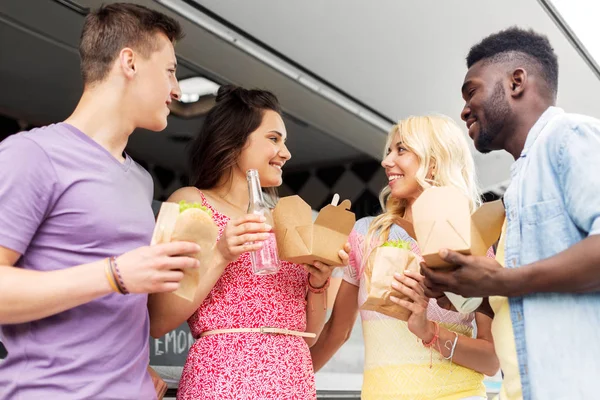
{"points": [[255, 194]]}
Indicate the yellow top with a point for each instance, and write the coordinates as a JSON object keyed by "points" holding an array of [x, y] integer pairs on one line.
{"points": [[397, 365], [504, 339]]}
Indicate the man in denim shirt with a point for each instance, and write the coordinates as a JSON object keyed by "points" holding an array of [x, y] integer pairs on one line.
{"points": [[553, 215]]}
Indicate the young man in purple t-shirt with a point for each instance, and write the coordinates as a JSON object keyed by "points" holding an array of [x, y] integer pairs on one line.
{"points": [[70, 199]]}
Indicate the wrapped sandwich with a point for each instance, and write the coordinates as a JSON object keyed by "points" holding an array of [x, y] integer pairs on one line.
{"points": [[189, 222], [391, 257]]}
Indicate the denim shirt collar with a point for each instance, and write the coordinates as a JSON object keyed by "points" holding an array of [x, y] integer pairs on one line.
{"points": [[539, 126], [533, 134]]}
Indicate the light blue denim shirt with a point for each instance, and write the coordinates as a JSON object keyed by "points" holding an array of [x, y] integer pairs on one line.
{"points": [[553, 202]]}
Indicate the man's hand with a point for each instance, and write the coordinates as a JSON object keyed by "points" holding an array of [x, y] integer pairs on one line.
{"points": [[472, 277], [159, 385], [157, 268]]}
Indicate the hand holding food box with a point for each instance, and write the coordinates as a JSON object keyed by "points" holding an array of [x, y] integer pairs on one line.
{"points": [[301, 241], [442, 220]]}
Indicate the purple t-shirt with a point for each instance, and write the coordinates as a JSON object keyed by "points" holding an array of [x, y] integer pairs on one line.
{"points": [[66, 201]]}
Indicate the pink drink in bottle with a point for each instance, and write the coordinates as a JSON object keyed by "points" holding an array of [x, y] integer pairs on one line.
{"points": [[266, 259]]}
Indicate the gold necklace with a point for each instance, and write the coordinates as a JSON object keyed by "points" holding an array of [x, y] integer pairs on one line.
{"points": [[244, 211]]}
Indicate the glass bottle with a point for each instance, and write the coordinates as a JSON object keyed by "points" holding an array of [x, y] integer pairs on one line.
{"points": [[266, 259]]}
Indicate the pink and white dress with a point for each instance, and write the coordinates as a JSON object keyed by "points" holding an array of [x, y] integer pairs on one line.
{"points": [[250, 365]]}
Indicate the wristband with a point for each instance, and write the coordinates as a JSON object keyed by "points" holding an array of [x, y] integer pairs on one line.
{"points": [[432, 343], [110, 277], [115, 270], [447, 344], [320, 290]]}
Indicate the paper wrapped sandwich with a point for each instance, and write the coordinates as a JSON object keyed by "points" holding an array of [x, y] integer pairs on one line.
{"points": [[188, 222], [393, 256]]}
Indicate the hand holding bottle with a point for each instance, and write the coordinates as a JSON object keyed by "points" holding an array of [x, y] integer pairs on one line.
{"points": [[265, 260], [243, 234]]}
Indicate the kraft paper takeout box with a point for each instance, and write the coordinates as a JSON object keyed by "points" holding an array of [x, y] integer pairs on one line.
{"points": [[379, 276], [442, 219], [164, 233], [301, 241]]}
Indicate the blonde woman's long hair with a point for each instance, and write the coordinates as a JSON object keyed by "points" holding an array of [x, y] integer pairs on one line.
{"points": [[438, 142]]}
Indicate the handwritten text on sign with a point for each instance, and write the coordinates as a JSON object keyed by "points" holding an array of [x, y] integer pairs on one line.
{"points": [[171, 349]]}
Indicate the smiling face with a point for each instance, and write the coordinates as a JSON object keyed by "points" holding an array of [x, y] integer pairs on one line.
{"points": [[154, 85], [266, 151], [401, 167], [487, 109]]}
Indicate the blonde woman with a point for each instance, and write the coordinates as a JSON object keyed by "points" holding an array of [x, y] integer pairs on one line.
{"points": [[434, 355]]}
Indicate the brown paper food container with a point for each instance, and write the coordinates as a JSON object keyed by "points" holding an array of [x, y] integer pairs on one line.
{"points": [[192, 225], [442, 219], [379, 275], [301, 241]]}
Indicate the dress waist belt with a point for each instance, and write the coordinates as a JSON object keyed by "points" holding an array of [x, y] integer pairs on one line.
{"points": [[262, 329]]}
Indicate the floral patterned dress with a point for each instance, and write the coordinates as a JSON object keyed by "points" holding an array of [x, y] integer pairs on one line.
{"points": [[250, 365]]}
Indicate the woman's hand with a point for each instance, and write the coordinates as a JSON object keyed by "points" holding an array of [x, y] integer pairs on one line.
{"points": [[410, 284], [320, 273], [244, 234]]}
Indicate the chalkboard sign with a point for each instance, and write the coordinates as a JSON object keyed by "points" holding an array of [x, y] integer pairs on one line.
{"points": [[171, 349]]}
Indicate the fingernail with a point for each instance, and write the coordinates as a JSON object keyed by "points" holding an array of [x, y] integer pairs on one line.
{"points": [[263, 218], [395, 286], [444, 253], [397, 275], [394, 299], [268, 227]]}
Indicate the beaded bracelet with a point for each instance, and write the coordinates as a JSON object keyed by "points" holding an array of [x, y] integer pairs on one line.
{"points": [[110, 277], [435, 336], [320, 290], [432, 343], [115, 269]]}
